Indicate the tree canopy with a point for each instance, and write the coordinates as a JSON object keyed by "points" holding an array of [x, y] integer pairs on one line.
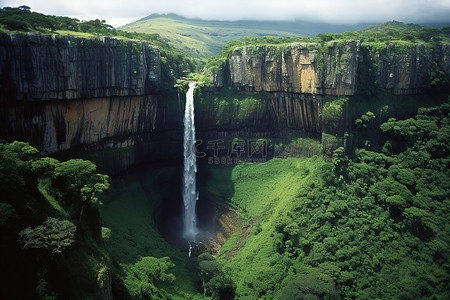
{"points": [[54, 235]]}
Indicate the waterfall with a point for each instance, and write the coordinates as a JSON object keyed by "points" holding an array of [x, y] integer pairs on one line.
{"points": [[190, 194]]}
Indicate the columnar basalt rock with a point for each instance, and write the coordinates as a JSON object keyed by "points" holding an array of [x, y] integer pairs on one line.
{"points": [[60, 125], [404, 73]]}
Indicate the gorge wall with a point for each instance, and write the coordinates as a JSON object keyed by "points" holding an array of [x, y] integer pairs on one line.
{"points": [[64, 93], [298, 79], [333, 68], [61, 93]]}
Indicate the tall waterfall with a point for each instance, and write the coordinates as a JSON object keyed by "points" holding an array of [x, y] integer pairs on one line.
{"points": [[190, 194]]}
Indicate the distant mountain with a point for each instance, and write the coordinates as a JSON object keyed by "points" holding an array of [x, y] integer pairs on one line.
{"points": [[205, 38]]}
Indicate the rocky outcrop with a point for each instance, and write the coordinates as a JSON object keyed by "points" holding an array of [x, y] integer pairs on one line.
{"points": [[333, 68], [39, 67]]}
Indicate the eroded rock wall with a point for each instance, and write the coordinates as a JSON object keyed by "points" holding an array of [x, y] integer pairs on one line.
{"points": [[333, 68], [64, 93], [37, 67], [301, 68], [265, 112]]}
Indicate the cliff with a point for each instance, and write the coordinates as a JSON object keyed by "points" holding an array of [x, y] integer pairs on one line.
{"points": [[275, 112], [299, 68], [63, 93], [38, 67], [410, 70], [302, 83], [332, 68]]}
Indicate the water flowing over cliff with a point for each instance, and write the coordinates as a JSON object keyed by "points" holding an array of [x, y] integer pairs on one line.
{"points": [[190, 193]]}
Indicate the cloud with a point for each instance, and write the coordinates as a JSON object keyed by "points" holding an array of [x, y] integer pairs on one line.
{"points": [[119, 12]]}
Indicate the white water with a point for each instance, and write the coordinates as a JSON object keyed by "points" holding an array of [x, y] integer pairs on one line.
{"points": [[190, 194]]}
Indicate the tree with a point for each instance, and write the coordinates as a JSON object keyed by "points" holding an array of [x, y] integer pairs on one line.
{"points": [[80, 177], [340, 162], [309, 286], [25, 8], [365, 120], [143, 277], [54, 235], [6, 213], [214, 281], [77, 173]]}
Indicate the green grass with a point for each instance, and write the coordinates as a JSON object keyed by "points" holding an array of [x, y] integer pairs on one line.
{"points": [[44, 184], [263, 190], [77, 34], [271, 183], [128, 211]]}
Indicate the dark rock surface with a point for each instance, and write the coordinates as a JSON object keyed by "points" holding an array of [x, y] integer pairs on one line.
{"points": [[38, 67]]}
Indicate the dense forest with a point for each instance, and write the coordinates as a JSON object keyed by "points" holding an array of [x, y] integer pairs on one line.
{"points": [[371, 223], [367, 220]]}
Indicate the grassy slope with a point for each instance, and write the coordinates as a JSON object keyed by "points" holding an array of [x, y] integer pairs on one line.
{"points": [[264, 191], [205, 38]]}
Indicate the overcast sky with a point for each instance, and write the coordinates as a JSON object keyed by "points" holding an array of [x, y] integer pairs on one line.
{"points": [[121, 12]]}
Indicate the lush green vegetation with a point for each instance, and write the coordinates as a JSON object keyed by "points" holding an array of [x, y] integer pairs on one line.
{"points": [[129, 212], [49, 223], [368, 224], [368, 221], [230, 109]]}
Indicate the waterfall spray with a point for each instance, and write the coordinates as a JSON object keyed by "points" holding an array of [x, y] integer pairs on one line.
{"points": [[190, 194]]}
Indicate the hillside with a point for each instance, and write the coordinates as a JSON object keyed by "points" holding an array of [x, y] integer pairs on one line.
{"points": [[206, 38]]}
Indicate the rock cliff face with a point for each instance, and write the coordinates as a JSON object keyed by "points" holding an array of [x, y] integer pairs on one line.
{"points": [[61, 93], [300, 68], [269, 112], [64, 93], [61, 125], [409, 72], [330, 69], [38, 67], [297, 80]]}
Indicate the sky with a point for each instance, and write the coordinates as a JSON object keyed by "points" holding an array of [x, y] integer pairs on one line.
{"points": [[121, 12]]}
